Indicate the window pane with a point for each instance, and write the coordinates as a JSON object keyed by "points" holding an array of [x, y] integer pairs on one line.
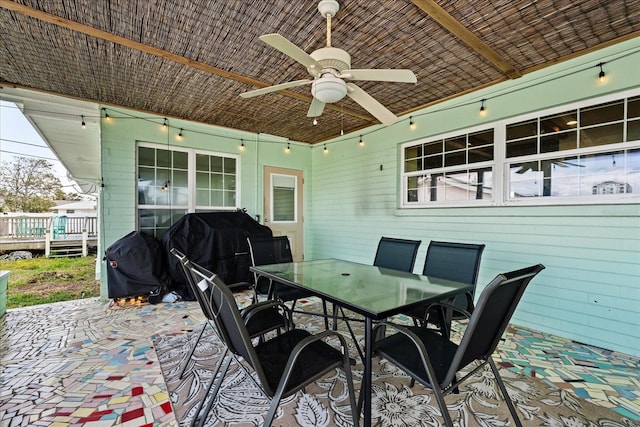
{"points": [[217, 198], [202, 180], [229, 165], [457, 143], [180, 196], [633, 107], [216, 181], [164, 158], [601, 135], [180, 160], [455, 159], [603, 113], [558, 142], [433, 162], [605, 173], [283, 204], [558, 122], [216, 164], [180, 179], [633, 130], [522, 129], [433, 147], [413, 165], [481, 138], [413, 152], [525, 180], [522, 148], [229, 182], [146, 156], [481, 154], [202, 198], [202, 162], [229, 199]]}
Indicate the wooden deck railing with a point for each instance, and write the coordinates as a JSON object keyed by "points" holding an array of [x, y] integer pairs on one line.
{"points": [[34, 226]]}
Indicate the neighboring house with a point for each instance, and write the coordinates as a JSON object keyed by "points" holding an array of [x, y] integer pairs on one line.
{"points": [[520, 178], [83, 207]]}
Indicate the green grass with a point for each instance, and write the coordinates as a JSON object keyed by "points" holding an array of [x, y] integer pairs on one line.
{"points": [[45, 280]]}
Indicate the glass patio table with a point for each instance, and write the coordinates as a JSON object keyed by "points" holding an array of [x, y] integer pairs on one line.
{"points": [[375, 293]]}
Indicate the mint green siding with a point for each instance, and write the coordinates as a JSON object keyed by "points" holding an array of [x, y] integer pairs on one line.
{"points": [[590, 290]]}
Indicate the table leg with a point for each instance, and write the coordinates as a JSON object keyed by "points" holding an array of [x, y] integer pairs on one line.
{"points": [[366, 377]]}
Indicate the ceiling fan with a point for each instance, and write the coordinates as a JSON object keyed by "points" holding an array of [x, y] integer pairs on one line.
{"points": [[331, 70]]}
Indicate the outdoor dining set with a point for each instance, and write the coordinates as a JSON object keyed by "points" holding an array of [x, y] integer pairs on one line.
{"points": [[283, 359]]}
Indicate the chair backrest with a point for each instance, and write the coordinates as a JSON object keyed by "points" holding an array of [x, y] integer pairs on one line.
{"points": [[227, 317], [459, 262], [60, 222], [269, 250], [396, 254], [491, 317], [184, 264]]}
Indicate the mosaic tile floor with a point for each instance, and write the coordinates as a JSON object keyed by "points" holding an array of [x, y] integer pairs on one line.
{"points": [[88, 363]]}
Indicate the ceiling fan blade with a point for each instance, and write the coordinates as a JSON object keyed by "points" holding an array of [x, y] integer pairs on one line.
{"points": [[369, 103], [381, 75], [274, 88], [291, 50], [316, 108]]}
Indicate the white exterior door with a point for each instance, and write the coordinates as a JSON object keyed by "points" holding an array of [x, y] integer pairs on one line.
{"points": [[283, 206]]}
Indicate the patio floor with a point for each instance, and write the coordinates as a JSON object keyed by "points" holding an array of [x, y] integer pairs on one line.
{"points": [[88, 362]]}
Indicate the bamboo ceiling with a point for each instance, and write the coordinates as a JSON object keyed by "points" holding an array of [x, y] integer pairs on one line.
{"points": [[191, 59]]}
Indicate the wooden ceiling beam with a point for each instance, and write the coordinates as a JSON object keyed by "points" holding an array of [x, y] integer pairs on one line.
{"points": [[442, 17], [104, 35]]}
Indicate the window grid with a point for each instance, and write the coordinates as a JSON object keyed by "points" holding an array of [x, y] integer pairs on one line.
{"points": [[574, 154]]}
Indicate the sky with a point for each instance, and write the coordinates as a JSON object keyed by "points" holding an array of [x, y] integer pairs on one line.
{"points": [[19, 138]]}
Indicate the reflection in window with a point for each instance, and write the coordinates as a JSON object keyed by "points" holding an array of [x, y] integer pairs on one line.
{"points": [[593, 174]]}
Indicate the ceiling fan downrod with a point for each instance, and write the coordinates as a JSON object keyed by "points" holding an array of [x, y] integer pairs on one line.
{"points": [[328, 9]]}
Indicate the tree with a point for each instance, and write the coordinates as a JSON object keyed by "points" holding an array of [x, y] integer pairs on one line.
{"points": [[28, 185]]}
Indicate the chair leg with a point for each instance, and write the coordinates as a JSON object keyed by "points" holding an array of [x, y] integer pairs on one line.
{"points": [[218, 384], [193, 349], [503, 389]]}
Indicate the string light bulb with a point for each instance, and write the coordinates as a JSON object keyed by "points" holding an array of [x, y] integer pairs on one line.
{"points": [[106, 115], [242, 147], [180, 136], [288, 149], [483, 112], [165, 124], [412, 124], [315, 121], [326, 150], [361, 142], [601, 75], [84, 125]]}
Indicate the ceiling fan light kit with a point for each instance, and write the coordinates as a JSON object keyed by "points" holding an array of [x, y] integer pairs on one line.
{"points": [[330, 69], [329, 89]]}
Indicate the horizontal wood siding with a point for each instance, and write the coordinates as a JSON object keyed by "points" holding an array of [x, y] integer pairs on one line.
{"points": [[590, 289]]}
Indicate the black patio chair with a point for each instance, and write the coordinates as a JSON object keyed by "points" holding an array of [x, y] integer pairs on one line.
{"points": [[432, 359], [275, 250], [396, 254], [281, 365], [259, 323], [459, 262]]}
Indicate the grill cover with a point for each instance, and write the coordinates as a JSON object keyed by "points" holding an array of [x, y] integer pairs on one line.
{"points": [[215, 240], [136, 266]]}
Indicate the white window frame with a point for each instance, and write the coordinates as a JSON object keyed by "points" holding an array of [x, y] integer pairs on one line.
{"points": [[191, 180], [492, 164], [501, 164]]}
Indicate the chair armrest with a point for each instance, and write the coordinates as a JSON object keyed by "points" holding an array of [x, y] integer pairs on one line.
{"points": [[452, 307], [293, 357], [248, 312]]}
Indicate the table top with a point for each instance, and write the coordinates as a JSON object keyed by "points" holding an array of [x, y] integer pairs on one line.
{"points": [[372, 291]]}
